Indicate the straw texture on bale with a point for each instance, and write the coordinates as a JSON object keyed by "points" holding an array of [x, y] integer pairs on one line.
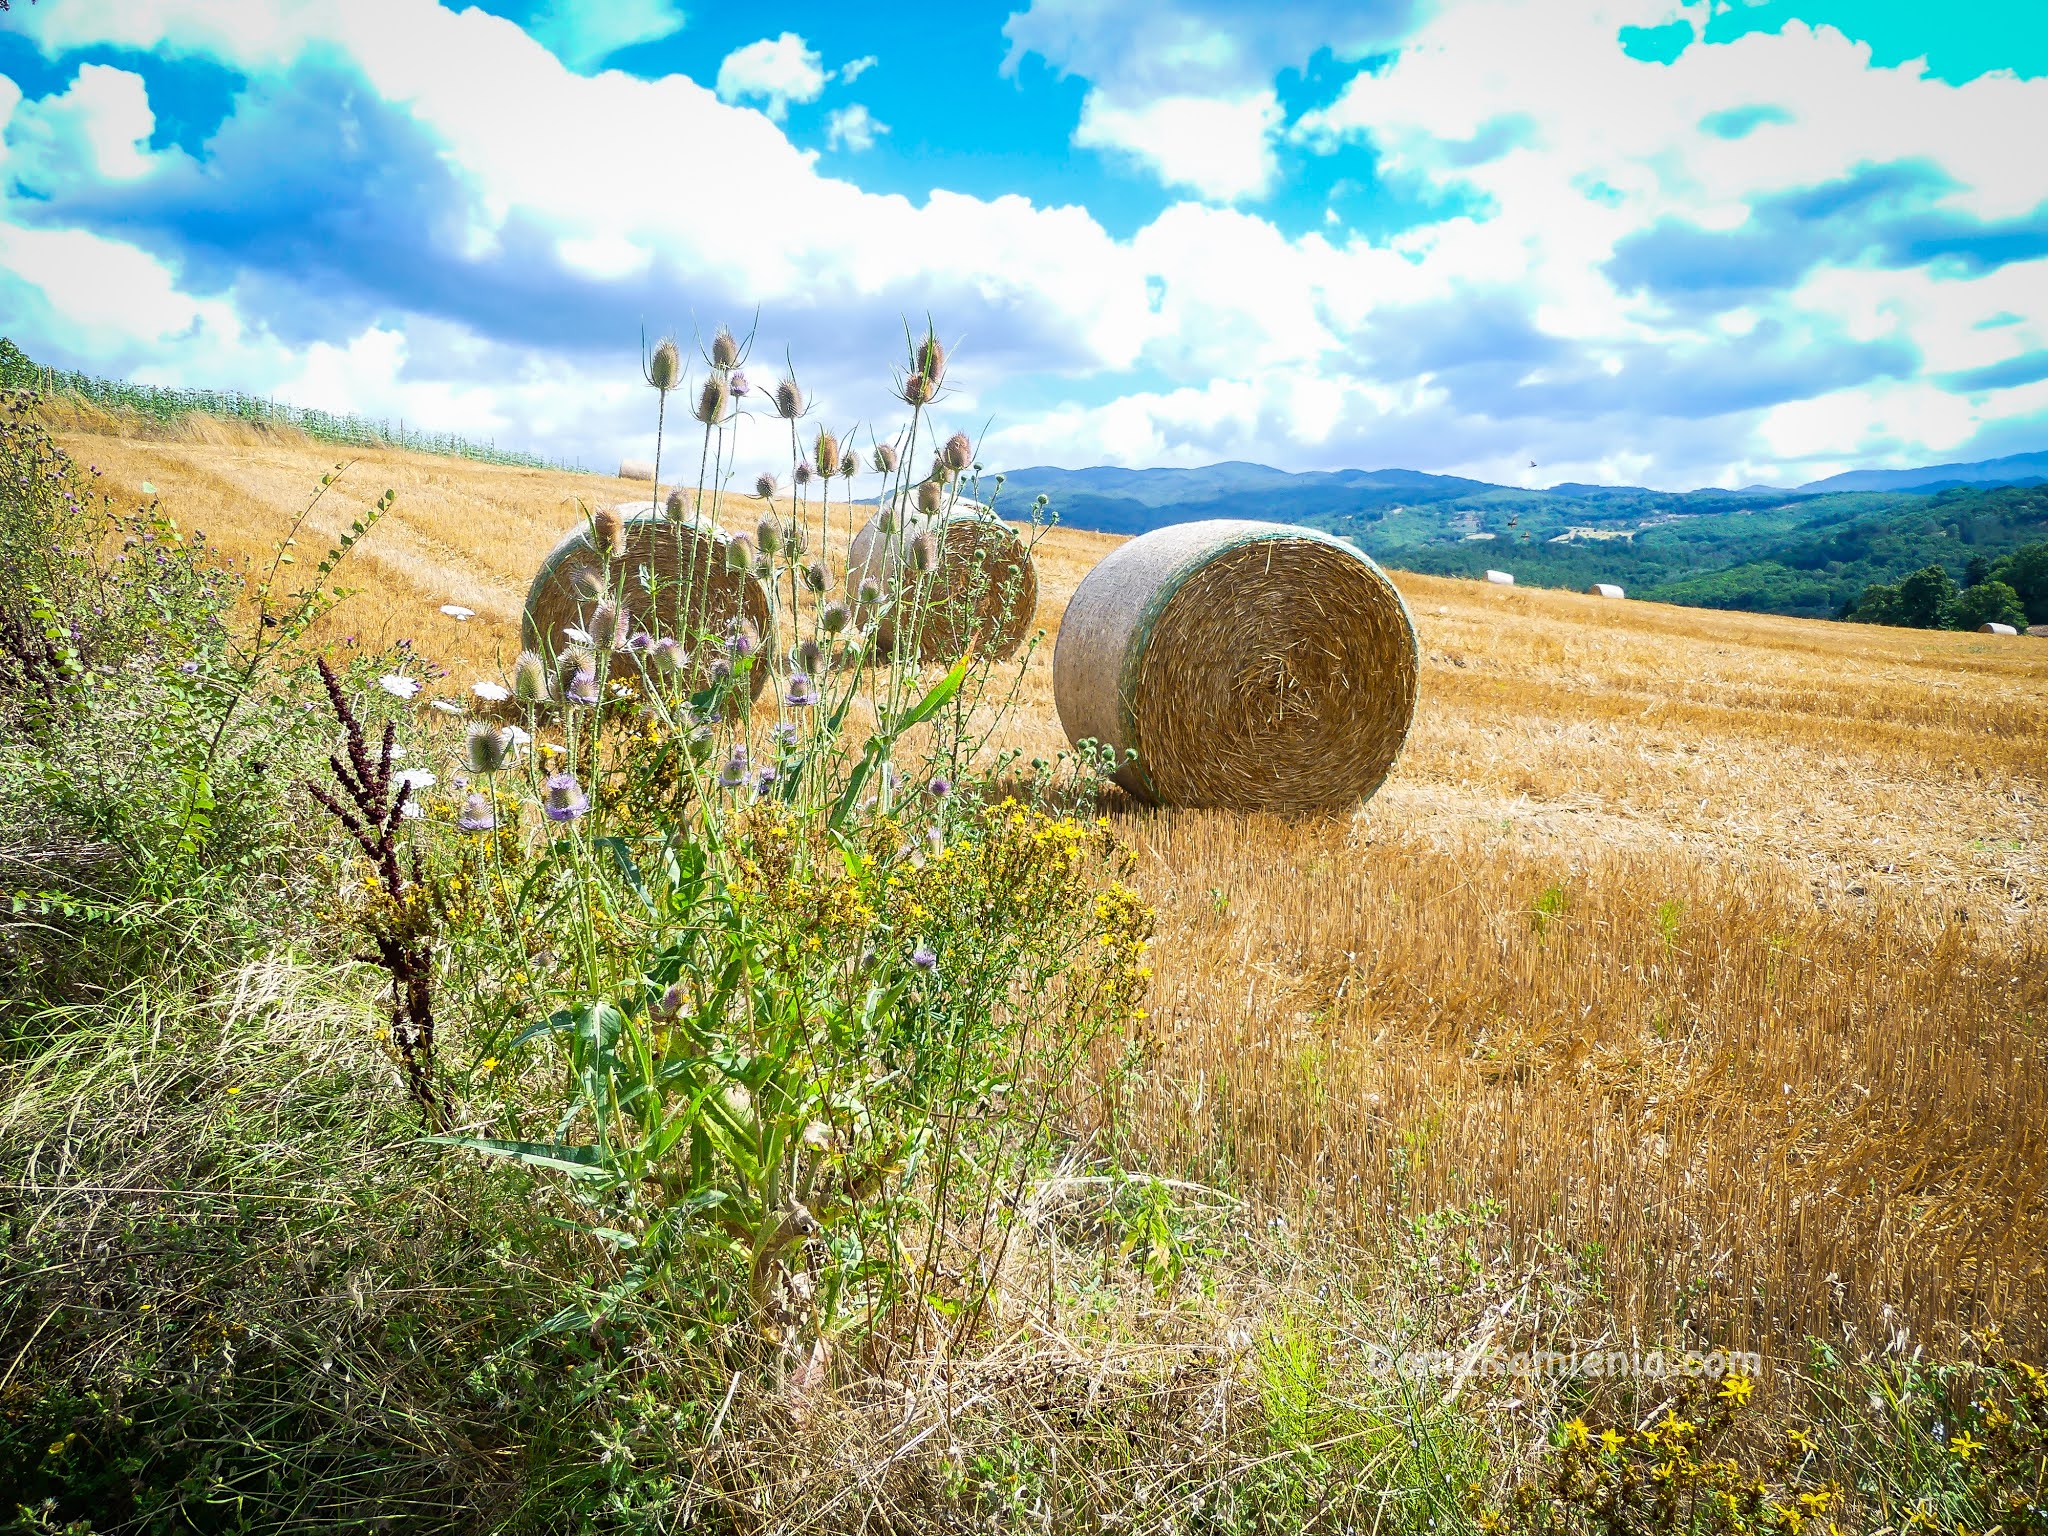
{"points": [[1606, 589], [1250, 665], [636, 469], [1500, 578], [983, 587], [692, 588], [1996, 629], [2038, 629]]}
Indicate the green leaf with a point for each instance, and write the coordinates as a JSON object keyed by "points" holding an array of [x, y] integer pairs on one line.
{"points": [[577, 1162]]}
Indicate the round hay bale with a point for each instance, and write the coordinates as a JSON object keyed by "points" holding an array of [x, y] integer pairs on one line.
{"points": [[1501, 578], [684, 560], [1251, 665], [984, 587], [636, 469], [1606, 589], [1995, 628]]}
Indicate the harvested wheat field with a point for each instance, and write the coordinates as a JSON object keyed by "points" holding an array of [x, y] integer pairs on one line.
{"points": [[1696, 958]]}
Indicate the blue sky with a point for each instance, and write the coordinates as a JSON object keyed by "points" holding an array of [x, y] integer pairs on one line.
{"points": [[1635, 241]]}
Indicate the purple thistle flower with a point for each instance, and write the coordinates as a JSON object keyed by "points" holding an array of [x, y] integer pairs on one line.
{"points": [[582, 687], [477, 815], [734, 773], [565, 799], [764, 778], [785, 734], [741, 643], [939, 788], [801, 694], [924, 959]]}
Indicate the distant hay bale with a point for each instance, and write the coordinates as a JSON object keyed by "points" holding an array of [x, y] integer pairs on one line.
{"points": [[984, 586], [1996, 629], [1250, 665], [1606, 589], [2039, 630], [685, 562], [636, 469], [1500, 578]]}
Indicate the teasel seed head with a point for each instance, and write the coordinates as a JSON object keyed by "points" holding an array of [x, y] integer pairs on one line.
{"points": [[610, 531], [768, 534], [665, 368], [942, 471], [918, 390], [870, 593], [477, 815], [924, 553], [886, 520], [825, 454], [586, 582], [929, 498], [739, 554], [834, 618], [569, 664], [765, 487], [816, 576], [676, 506], [582, 688], [959, 452], [810, 658], [725, 352], [488, 748], [764, 568], [529, 679], [789, 400], [610, 626], [801, 474], [667, 655], [849, 465], [565, 799], [928, 357], [885, 458], [712, 401]]}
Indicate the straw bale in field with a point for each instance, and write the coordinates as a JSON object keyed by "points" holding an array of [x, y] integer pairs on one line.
{"points": [[1500, 578], [636, 469], [1606, 589], [1250, 665], [674, 578], [2038, 629], [1996, 629], [984, 586]]}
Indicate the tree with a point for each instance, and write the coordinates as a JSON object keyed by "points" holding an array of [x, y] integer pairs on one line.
{"points": [[1989, 602], [1977, 572], [2025, 570], [1927, 599], [1878, 605]]}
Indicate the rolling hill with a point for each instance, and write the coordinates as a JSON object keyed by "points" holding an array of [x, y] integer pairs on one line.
{"points": [[1804, 552]]}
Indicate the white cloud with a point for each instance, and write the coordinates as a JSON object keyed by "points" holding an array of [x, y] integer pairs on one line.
{"points": [[1218, 147], [1477, 340], [852, 128], [853, 69], [1185, 87], [776, 71], [98, 127], [583, 35]]}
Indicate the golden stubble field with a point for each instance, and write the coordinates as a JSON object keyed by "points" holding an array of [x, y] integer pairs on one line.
{"points": [[1699, 955]]}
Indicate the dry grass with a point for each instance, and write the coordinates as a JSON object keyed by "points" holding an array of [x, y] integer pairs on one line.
{"points": [[1708, 944]]}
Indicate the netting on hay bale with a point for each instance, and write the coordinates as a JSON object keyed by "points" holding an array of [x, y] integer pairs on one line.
{"points": [[983, 585], [674, 576], [1251, 665]]}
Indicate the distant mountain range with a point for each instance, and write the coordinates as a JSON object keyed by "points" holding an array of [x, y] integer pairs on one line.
{"points": [[1807, 550]]}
